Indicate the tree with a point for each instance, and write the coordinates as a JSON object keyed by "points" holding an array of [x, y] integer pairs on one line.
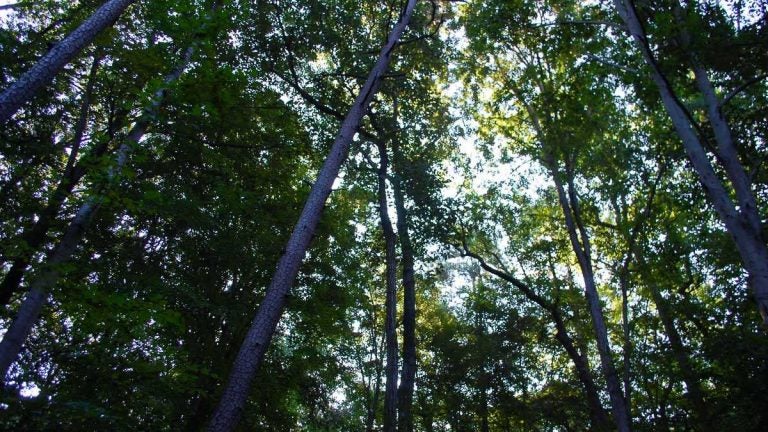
{"points": [[41, 285], [497, 120], [742, 218], [390, 304], [263, 326], [47, 67]]}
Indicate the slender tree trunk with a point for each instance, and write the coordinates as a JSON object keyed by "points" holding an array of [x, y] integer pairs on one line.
{"points": [[374, 386], [597, 414], [390, 320], [581, 247], [408, 372], [49, 275], [484, 424], [743, 224], [371, 414], [627, 351], [582, 250], [62, 53], [695, 393], [600, 421], [34, 237], [263, 326]]}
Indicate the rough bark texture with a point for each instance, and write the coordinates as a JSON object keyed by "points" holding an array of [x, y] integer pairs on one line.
{"points": [[581, 247], [743, 224], [390, 304], [408, 372], [49, 275], [263, 326], [62, 53], [600, 421]]}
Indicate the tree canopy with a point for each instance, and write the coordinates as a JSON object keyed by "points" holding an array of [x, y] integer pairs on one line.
{"points": [[430, 215]]}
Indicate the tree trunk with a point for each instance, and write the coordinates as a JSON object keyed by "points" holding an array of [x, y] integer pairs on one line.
{"points": [[581, 247], [263, 326], [408, 372], [627, 351], [582, 250], [597, 415], [694, 393], [34, 237], [62, 53], [484, 424], [742, 223], [41, 285], [390, 320]]}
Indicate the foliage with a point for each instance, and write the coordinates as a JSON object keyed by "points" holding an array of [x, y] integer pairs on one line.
{"points": [[487, 106]]}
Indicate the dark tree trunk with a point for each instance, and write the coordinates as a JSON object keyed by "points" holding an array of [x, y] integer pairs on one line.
{"points": [[390, 320], [34, 237], [62, 53], [263, 326], [41, 285], [408, 372]]}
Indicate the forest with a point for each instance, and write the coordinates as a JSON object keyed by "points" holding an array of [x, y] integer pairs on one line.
{"points": [[384, 215]]}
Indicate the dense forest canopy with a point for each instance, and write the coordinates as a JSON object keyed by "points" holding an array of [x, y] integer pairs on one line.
{"points": [[432, 215]]}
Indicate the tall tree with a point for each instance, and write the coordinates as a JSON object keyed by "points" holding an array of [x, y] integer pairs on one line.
{"points": [[408, 371], [40, 286], [741, 218], [390, 303], [581, 244], [263, 326], [62, 53]]}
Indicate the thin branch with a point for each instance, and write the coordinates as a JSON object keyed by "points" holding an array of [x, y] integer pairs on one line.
{"points": [[741, 88], [583, 22], [612, 64], [522, 286]]}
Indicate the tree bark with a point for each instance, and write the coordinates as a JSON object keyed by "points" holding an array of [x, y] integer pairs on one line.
{"points": [[62, 53], [597, 414], [49, 275], [742, 223], [581, 246], [263, 326], [408, 372], [390, 305], [34, 237]]}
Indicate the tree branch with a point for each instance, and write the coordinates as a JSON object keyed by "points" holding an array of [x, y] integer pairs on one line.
{"points": [[741, 88]]}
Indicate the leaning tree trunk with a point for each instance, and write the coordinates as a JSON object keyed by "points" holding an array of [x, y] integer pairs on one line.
{"points": [[742, 223], [408, 372], [34, 237], [600, 421], [390, 303], [62, 53], [263, 326], [694, 391], [49, 275], [581, 247]]}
